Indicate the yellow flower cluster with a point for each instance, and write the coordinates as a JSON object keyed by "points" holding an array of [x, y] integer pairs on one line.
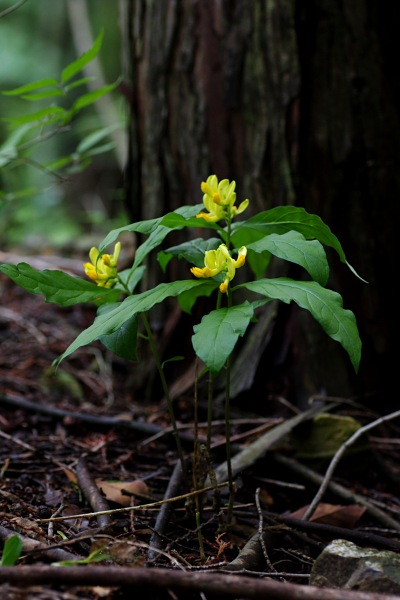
{"points": [[219, 199], [220, 261], [103, 269]]}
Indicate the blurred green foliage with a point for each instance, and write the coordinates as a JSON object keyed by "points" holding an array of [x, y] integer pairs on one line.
{"points": [[65, 182]]}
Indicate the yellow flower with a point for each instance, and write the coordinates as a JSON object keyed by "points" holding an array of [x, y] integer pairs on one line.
{"points": [[220, 261], [103, 269], [219, 199]]}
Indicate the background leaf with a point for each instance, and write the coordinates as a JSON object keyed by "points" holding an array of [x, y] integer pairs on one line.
{"points": [[77, 65]]}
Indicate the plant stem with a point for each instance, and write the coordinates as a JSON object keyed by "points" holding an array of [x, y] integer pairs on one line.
{"points": [[228, 426], [228, 441], [210, 410], [166, 393]]}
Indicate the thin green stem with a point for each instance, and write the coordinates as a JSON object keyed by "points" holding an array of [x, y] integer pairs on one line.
{"points": [[166, 393], [228, 426], [210, 410]]}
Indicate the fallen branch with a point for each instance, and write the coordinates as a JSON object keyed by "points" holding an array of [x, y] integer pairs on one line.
{"points": [[92, 493], [340, 490], [338, 455], [253, 452], [146, 579]]}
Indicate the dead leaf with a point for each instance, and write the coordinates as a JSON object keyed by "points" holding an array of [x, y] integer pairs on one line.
{"points": [[333, 514], [114, 490]]}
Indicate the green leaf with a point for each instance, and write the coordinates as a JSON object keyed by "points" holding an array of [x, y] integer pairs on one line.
{"points": [[192, 251], [187, 299], [326, 306], [176, 220], [12, 551], [48, 115], [30, 87], [131, 277], [97, 555], [113, 320], [152, 227], [78, 64], [216, 336], [93, 96], [94, 138], [55, 286], [286, 218], [123, 341], [43, 95], [78, 83], [293, 247]]}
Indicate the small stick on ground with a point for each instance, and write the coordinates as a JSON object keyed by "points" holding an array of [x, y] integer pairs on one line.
{"points": [[92, 493]]}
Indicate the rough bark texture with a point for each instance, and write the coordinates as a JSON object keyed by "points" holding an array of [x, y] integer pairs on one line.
{"points": [[297, 102]]}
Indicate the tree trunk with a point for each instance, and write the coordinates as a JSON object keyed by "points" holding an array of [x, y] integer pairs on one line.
{"points": [[297, 102]]}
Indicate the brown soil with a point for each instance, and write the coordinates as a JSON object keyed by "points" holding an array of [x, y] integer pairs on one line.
{"points": [[57, 449]]}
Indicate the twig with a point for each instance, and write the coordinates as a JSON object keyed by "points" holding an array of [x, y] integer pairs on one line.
{"points": [[261, 537], [253, 452], [334, 532], [163, 515], [130, 508], [338, 489], [146, 580], [92, 493], [142, 427], [338, 455], [11, 9]]}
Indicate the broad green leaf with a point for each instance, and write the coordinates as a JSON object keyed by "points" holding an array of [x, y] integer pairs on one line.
{"points": [[30, 87], [286, 218], [293, 247], [192, 251], [326, 306], [78, 64], [113, 320], [55, 286], [92, 97], [123, 341], [216, 336], [11, 552]]}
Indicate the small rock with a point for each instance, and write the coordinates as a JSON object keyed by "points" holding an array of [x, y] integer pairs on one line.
{"points": [[342, 564]]}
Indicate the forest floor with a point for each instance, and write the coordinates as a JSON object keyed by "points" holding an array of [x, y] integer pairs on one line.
{"points": [[80, 442]]}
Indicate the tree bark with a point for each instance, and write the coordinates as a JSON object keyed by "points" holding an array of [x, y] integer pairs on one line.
{"points": [[297, 102]]}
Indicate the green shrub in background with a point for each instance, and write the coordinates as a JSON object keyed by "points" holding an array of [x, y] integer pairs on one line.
{"points": [[62, 102]]}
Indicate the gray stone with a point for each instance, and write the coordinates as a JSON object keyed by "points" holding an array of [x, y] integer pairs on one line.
{"points": [[342, 564]]}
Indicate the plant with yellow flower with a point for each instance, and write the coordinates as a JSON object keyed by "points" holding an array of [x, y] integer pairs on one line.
{"points": [[286, 232]]}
